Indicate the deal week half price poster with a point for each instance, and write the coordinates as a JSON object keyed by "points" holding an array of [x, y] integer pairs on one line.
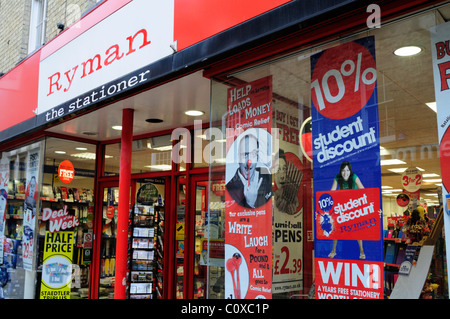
{"points": [[57, 264], [346, 172], [248, 196]]}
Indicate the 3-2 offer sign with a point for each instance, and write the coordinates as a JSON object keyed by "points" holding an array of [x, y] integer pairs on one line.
{"points": [[346, 172]]}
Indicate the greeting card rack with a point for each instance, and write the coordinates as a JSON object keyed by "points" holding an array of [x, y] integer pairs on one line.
{"points": [[147, 248]]}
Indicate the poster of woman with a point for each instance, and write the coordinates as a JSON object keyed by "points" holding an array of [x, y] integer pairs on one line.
{"points": [[346, 164]]}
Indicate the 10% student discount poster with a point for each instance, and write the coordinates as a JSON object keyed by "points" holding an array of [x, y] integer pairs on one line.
{"points": [[346, 172]]}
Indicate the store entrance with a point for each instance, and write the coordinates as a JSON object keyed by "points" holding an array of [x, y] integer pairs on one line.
{"points": [[200, 237], [146, 244]]}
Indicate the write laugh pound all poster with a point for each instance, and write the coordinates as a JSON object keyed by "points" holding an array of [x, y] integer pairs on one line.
{"points": [[346, 162], [248, 196]]}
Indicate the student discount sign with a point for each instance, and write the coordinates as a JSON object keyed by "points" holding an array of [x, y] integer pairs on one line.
{"points": [[347, 174]]}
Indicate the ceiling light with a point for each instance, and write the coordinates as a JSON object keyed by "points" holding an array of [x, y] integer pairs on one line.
{"points": [[392, 190], [432, 105], [194, 113], [435, 180], [384, 151], [60, 152], [165, 148], [391, 162], [161, 167], [85, 155], [81, 148], [430, 175], [117, 127], [397, 170], [408, 50]]}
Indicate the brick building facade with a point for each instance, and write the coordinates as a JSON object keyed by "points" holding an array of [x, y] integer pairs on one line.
{"points": [[20, 21]]}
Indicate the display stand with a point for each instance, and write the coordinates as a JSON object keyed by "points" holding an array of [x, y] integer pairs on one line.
{"points": [[409, 286], [146, 252]]}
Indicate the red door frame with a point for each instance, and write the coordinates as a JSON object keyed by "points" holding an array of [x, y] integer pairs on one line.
{"points": [[168, 241], [94, 276], [189, 232]]}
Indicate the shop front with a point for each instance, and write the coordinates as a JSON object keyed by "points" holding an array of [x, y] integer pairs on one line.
{"points": [[315, 167]]}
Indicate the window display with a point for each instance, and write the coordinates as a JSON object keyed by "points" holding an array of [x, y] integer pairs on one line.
{"points": [[66, 219], [320, 173], [350, 200], [20, 185]]}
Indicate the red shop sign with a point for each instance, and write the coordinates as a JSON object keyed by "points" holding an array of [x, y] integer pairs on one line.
{"points": [[66, 172], [218, 188]]}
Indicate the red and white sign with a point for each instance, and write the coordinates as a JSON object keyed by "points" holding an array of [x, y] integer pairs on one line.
{"points": [[218, 188], [412, 179], [66, 172], [116, 38], [349, 279], [402, 200], [137, 34], [343, 81], [110, 211], [59, 219], [248, 196], [349, 214], [441, 73]]}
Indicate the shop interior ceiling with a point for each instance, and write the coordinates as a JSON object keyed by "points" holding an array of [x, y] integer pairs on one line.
{"points": [[408, 127]]}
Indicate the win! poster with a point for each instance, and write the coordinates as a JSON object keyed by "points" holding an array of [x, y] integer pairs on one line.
{"points": [[346, 172]]}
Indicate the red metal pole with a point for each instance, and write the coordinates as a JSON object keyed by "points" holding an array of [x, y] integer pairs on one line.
{"points": [[124, 200]]}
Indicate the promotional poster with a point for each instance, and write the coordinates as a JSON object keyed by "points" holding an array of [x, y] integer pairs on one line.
{"points": [[441, 66], [288, 237], [29, 215], [4, 180], [248, 196], [57, 265], [346, 172]]}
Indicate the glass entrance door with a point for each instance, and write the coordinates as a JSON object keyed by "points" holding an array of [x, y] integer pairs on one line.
{"points": [[108, 233], [199, 234], [209, 212]]}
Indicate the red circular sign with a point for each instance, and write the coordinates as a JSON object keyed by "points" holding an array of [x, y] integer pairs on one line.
{"points": [[66, 172], [412, 179], [402, 200], [110, 212], [444, 151], [306, 139], [343, 80], [218, 188]]}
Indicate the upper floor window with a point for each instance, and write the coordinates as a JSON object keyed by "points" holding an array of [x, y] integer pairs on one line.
{"points": [[37, 24]]}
